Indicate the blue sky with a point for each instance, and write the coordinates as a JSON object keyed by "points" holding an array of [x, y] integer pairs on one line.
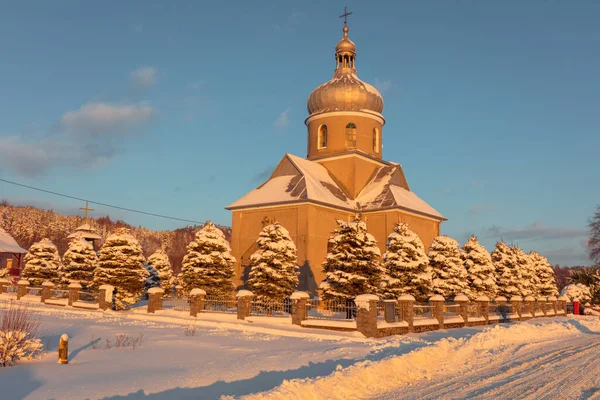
{"points": [[180, 108]]}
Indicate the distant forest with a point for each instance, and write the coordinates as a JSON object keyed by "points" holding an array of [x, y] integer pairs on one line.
{"points": [[30, 224]]}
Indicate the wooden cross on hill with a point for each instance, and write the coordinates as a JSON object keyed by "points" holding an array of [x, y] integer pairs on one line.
{"points": [[86, 209], [345, 15]]}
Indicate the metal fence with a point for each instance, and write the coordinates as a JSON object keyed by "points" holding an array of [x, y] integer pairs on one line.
{"points": [[34, 291], [344, 310], [222, 304], [451, 310], [59, 294], [422, 311], [10, 289], [181, 304], [570, 308], [88, 297], [271, 307], [474, 311]]}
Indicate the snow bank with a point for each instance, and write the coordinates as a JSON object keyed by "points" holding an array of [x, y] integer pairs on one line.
{"points": [[370, 379]]}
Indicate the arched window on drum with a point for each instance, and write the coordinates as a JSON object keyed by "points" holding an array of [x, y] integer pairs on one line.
{"points": [[322, 137], [350, 135]]}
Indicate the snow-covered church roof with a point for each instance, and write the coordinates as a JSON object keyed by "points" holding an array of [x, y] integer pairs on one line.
{"points": [[9, 245], [297, 179]]}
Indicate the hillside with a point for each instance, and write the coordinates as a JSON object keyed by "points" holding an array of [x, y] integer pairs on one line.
{"points": [[30, 224]]}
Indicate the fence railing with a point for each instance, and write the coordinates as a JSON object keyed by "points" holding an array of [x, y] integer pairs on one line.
{"points": [[59, 294], [271, 307], [342, 310], [474, 311], [88, 297], [11, 289], [177, 304], [451, 310], [34, 291], [422, 311], [221, 304]]}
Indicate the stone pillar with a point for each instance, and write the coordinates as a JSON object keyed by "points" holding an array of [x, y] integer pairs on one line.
{"points": [[47, 288], [562, 303], [530, 305], [63, 349], [4, 283], [74, 289], [105, 298], [244, 303], [517, 304], [407, 303], [196, 302], [155, 295], [463, 304], [299, 301], [501, 308], [553, 300], [22, 286], [178, 291], [366, 314], [541, 300], [437, 302], [483, 302]]}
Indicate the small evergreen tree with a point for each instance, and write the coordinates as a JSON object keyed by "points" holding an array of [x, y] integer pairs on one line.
{"points": [[352, 266], [508, 274], [121, 264], [546, 282], [529, 282], [448, 272], [406, 265], [79, 262], [481, 274], [152, 280], [208, 263], [42, 263], [273, 266], [159, 260]]}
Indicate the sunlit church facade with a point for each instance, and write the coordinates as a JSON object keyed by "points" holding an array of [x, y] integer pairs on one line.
{"points": [[343, 173]]}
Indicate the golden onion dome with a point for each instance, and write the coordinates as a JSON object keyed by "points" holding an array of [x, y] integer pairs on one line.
{"points": [[345, 92]]}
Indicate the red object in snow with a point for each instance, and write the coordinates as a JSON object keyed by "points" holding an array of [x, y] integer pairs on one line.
{"points": [[576, 307]]}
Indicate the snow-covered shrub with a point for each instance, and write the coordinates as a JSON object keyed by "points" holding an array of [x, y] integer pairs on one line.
{"points": [[546, 280], [405, 264], [160, 261], [447, 268], [273, 266], [508, 274], [79, 262], [481, 274], [42, 263], [18, 335], [352, 265], [121, 264], [577, 291], [208, 263]]}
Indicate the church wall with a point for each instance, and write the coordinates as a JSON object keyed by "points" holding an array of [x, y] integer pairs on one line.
{"points": [[336, 134]]}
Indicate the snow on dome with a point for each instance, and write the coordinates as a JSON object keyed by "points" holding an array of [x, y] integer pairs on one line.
{"points": [[406, 297], [9, 245], [461, 297], [244, 293], [516, 298], [155, 290], [437, 297], [197, 292], [299, 295]]}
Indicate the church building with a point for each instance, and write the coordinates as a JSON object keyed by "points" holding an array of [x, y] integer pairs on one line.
{"points": [[343, 173]]}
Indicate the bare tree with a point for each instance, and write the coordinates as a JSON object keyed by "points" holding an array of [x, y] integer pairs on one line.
{"points": [[594, 240]]}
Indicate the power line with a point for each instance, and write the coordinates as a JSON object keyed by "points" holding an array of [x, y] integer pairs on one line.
{"points": [[100, 204]]}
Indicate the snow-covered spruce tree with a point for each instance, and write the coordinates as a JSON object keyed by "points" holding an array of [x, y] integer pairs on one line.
{"points": [[274, 265], [42, 263], [447, 268], [405, 264], [152, 280], [546, 281], [208, 263], [529, 281], [160, 261], [508, 274], [121, 264], [481, 274], [79, 262], [352, 266]]}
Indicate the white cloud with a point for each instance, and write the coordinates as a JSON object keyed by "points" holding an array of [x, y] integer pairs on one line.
{"points": [[94, 118], [282, 121], [536, 231], [144, 77], [382, 86]]}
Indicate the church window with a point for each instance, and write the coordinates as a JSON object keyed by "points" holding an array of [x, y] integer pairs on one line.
{"points": [[376, 140], [322, 137], [350, 135]]}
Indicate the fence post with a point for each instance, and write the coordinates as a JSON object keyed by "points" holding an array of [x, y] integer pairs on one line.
{"points": [[244, 303], [47, 287], [517, 304], [530, 305], [501, 307], [438, 308], [178, 291], [4, 285], [541, 300], [105, 298], [483, 303], [562, 303], [196, 301], [407, 303], [22, 288], [74, 289], [366, 314], [553, 300], [155, 299], [463, 307], [299, 301]]}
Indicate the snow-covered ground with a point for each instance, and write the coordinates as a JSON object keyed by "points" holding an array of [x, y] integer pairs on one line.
{"points": [[269, 358]]}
